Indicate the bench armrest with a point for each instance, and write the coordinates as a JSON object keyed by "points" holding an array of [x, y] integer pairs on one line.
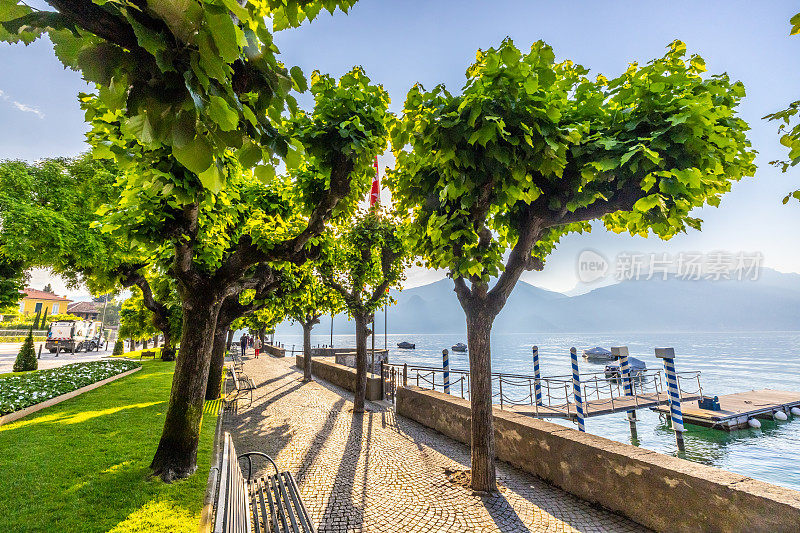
{"points": [[250, 462]]}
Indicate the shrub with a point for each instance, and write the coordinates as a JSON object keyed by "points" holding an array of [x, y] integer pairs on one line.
{"points": [[26, 359], [168, 354], [119, 348]]}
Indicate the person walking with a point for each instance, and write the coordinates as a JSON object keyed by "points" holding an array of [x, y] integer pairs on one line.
{"points": [[243, 343], [257, 346]]}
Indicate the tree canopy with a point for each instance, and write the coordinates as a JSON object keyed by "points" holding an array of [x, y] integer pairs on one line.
{"points": [[789, 127]]}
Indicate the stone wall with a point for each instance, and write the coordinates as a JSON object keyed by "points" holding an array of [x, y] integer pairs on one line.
{"points": [[661, 492], [342, 376], [275, 351]]}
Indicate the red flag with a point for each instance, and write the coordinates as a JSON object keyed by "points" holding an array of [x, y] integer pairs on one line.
{"points": [[375, 192]]}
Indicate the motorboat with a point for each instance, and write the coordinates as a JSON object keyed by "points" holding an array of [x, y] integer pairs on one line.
{"points": [[597, 354], [406, 345], [460, 347], [637, 366]]}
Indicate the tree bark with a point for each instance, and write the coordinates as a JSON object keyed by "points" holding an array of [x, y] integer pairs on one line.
{"points": [[176, 456], [479, 328], [361, 362], [307, 327], [229, 340], [216, 371]]}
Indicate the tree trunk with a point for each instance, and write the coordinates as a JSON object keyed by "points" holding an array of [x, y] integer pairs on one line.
{"points": [[144, 344], [176, 456], [361, 362], [155, 341], [216, 371], [307, 327], [229, 341], [479, 328], [132, 344]]}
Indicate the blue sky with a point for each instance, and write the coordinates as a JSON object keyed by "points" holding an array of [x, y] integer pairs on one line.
{"points": [[402, 42]]}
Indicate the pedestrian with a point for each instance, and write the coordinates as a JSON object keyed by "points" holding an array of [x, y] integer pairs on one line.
{"points": [[243, 343], [257, 346]]}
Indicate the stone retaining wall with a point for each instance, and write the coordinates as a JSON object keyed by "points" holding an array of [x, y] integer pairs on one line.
{"points": [[342, 376], [274, 350], [661, 492]]}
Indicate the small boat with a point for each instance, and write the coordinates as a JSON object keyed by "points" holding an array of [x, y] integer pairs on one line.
{"points": [[637, 368], [406, 345], [597, 354], [460, 347]]}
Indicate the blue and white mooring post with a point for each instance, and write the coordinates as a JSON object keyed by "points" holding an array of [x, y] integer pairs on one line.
{"points": [[537, 386], [576, 388], [668, 355], [446, 368], [621, 354]]}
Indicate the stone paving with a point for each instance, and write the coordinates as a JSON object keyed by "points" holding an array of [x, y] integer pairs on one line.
{"points": [[378, 472]]}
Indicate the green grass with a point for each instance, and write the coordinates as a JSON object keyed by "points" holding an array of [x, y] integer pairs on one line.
{"points": [[137, 353], [82, 465]]}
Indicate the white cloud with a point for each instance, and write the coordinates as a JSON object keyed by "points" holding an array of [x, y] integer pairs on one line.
{"points": [[22, 107]]}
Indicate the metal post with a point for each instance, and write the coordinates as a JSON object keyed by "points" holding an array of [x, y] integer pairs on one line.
{"points": [[668, 355], [383, 383], [331, 330], [40, 351], [385, 327], [537, 386], [621, 353], [446, 367], [576, 388]]}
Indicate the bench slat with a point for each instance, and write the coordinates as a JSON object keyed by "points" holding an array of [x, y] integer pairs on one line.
{"points": [[298, 503], [276, 494]]}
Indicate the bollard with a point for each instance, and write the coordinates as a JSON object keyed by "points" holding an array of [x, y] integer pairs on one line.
{"points": [[621, 353], [576, 388], [537, 386], [668, 355], [405, 374], [446, 366], [40, 352]]}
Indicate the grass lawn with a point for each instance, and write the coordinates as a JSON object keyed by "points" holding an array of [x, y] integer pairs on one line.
{"points": [[82, 465]]}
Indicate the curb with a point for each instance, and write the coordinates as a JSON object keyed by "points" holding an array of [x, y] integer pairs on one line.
{"points": [[207, 514], [16, 415]]}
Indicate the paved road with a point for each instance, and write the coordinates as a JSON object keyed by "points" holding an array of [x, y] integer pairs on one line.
{"points": [[381, 473], [9, 351]]}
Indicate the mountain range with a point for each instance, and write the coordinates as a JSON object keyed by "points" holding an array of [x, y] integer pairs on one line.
{"points": [[770, 303]]}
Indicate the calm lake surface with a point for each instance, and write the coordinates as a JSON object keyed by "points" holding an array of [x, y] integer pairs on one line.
{"points": [[728, 362]]}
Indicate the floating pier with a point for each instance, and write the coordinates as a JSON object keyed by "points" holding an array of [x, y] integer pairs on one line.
{"points": [[737, 409], [605, 406]]}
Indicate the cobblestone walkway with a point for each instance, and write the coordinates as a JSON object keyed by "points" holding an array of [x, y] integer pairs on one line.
{"points": [[376, 472]]}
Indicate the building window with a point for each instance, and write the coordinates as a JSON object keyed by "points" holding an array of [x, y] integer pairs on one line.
{"points": [[55, 309], [21, 306], [38, 307]]}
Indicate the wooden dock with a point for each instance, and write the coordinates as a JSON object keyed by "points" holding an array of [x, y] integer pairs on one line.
{"points": [[736, 409], [604, 406]]}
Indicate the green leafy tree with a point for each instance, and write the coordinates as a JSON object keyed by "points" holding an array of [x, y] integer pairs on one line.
{"points": [[362, 261], [136, 321], [36, 320], [26, 359], [308, 300], [48, 288], [12, 280], [532, 150], [187, 102], [789, 127]]}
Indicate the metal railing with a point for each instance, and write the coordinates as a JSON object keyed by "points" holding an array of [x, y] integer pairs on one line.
{"points": [[557, 394]]}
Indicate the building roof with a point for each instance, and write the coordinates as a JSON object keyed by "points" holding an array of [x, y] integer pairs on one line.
{"points": [[34, 294], [83, 307]]}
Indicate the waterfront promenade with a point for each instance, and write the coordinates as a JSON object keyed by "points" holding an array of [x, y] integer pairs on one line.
{"points": [[378, 472]]}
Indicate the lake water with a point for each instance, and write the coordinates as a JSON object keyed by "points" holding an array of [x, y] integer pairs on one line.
{"points": [[728, 362]]}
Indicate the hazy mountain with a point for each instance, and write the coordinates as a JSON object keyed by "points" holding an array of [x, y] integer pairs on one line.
{"points": [[771, 303]]}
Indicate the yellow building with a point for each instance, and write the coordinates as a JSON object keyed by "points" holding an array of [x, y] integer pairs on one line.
{"points": [[37, 301]]}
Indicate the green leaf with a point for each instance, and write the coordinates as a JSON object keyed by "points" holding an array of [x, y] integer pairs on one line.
{"points": [[223, 114], [212, 178], [299, 79], [195, 155]]}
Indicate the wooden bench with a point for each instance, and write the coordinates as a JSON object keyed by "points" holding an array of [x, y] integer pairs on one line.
{"points": [[242, 386], [271, 504], [147, 353]]}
